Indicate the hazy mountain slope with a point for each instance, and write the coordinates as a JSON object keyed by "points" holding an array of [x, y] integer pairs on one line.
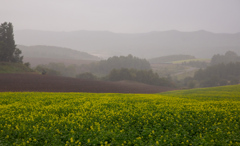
{"points": [[45, 54], [54, 52], [147, 45]]}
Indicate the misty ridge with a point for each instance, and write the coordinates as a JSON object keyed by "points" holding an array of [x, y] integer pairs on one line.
{"points": [[55, 52], [170, 58], [41, 54], [104, 44]]}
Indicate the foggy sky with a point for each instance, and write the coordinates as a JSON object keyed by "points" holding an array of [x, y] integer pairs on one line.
{"points": [[123, 16]]}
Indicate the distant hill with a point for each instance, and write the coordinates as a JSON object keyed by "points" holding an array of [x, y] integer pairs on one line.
{"points": [[170, 58], [201, 44], [45, 54], [7, 67]]}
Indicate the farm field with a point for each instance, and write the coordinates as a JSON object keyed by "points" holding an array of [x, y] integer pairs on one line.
{"points": [[207, 116], [181, 61], [45, 83]]}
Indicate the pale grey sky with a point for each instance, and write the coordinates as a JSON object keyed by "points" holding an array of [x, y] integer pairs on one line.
{"points": [[123, 16]]}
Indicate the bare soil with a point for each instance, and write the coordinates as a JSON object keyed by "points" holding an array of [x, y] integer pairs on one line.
{"points": [[46, 83]]}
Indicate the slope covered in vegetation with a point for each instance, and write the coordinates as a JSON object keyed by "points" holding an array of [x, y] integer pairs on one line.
{"points": [[171, 58], [6, 67], [231, 92]]}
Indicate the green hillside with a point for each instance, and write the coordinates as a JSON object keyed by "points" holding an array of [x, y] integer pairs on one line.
{"points": [[230, 92], [6, 67], [170, 58], [189, 60]]}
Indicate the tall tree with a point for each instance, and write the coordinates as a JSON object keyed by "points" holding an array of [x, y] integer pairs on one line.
{"points": [[8, 50]]}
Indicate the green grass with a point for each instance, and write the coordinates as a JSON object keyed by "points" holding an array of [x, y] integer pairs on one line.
{"points": [[7, 67], [222, 93], [181, 61], [207, 116]]}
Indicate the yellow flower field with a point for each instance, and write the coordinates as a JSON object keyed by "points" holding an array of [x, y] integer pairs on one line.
{"points": [[207, 116]]}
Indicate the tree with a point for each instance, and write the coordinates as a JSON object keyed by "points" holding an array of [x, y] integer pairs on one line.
{"points": [[8, 50], [229, 56]]}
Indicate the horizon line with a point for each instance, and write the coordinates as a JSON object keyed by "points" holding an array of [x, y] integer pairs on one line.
{"points": [[154, 31]]}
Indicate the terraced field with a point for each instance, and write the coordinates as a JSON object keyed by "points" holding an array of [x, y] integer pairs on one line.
{"points": [[207, 116]]}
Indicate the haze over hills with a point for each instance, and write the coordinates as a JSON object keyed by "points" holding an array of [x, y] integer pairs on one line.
{"points": [[201, 44], [41, 54]]}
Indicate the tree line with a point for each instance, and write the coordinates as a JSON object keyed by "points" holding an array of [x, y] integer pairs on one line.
{"points": [[101, 68], [228, 57], [113, 69], [222, 70], [142, 76], [104, 67], [220, 74]]}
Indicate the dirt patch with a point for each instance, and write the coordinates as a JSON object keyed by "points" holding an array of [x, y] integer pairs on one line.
{"points": [[46, 83]]}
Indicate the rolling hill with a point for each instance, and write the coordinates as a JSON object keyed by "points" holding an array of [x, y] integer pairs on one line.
{"points": [[41, 54], [201, 44]]}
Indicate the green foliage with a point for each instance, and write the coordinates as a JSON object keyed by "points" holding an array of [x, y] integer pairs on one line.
{"points": [[229, 56], [8, 50], [27, 64], [7, 67], [58, 69], [221, 74], [142, 76], [215, 75], [189, 117], [16, 56], [170, 58], [44, 70], [101, 68], [86, 75], [104, 67]]}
